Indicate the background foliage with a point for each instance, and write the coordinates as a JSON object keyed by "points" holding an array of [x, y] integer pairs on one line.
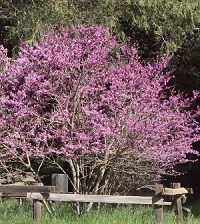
{"points": [[159, 27]]}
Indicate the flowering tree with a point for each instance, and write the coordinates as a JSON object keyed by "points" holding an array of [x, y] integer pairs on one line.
{"points": [[84, 98]]}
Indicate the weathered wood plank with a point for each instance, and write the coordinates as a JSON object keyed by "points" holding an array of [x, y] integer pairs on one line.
{"points": [[97, 198], [26, 189], [36, 210], [14, 195], [158, 208], [15, 184], [178, 201], [175, 191], [60, 181]]}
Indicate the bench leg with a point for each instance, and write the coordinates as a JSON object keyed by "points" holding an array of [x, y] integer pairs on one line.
{"points": [[36, 210]]}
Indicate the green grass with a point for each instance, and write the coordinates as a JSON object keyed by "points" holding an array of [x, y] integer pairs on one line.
{"points": [[13, 213]]}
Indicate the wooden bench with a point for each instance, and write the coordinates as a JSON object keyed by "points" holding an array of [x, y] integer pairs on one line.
{"points": [[157, 200], [47, 193]]}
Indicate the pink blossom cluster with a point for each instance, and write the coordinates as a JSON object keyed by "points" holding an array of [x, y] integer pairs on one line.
{"points": [[80, 92]]}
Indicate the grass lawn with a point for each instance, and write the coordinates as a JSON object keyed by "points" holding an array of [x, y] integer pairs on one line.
{"points": [[13, 213]]}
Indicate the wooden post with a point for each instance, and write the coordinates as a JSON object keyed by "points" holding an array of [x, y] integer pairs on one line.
{"points": [[158, 208], [36, 210], [60, 181], [178, 202], [1, 197]]}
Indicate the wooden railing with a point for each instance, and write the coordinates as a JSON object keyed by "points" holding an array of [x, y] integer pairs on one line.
{"points": [[47, 193]]}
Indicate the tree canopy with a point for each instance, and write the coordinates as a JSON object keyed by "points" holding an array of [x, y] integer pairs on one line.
{"points": [[82, 96]]}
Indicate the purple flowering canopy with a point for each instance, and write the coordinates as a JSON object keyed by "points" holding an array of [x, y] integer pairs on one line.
{"points": [[80, 93]]}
